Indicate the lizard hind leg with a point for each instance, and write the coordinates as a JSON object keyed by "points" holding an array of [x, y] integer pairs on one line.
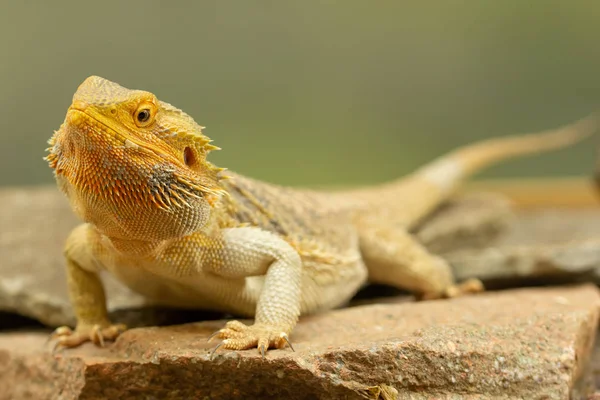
{"points": [[394, 257]]}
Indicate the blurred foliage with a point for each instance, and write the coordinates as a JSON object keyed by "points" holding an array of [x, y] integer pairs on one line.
{"points": [[311, 92]]}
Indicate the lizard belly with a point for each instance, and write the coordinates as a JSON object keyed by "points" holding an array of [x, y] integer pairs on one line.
{"points": [[159, 290], [158, 281], [203, 292], [328, 280]]}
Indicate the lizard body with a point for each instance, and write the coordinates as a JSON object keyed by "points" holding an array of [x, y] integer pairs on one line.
{"points": [[174, 227]]}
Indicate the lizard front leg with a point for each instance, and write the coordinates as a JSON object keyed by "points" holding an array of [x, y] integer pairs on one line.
{"points": [[87, 296], [251, 252]]}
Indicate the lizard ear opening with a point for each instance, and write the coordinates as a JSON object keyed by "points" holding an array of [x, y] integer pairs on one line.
{"points": [[188, 157]]}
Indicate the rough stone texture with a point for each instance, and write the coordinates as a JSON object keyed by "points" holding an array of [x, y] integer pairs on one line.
{"points": [[562, 244], [469, 222], [591, 383], [519, 344]]}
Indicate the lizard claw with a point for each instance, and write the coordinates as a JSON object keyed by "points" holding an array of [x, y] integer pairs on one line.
{"points": [[213, 351], [57, 332], [67, 338], [287, 340], [470, 286], [238, 336], [211, 337], [56, 347], [262, 350]]}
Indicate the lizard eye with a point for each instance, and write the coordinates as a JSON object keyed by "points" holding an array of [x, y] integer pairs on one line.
{"points": [[144, 115]]}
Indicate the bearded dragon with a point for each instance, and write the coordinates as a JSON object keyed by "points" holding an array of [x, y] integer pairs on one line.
{"points": [[174, 227]]}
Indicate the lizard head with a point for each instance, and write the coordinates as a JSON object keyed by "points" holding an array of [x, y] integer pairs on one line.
{"points": [[133, 166]]}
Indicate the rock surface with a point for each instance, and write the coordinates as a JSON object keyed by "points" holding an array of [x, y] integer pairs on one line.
{"points": [[468, 222], [561, 244], [525, 344]]}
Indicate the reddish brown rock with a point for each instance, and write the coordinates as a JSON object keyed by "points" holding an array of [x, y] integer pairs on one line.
{"points": [[528, 343]]}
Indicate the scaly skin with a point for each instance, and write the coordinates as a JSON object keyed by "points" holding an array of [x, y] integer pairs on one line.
{"points": [[173, 227]]}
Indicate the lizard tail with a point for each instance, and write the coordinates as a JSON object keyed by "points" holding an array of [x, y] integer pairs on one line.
{"points": [[470, 159], [417, 194]]}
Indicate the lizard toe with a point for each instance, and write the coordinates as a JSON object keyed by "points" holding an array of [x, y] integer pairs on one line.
{"points": [[238, 336], [470, 286], [97, 334]]}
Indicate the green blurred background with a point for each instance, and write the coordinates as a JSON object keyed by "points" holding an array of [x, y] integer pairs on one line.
{"points": [[311, 92]]}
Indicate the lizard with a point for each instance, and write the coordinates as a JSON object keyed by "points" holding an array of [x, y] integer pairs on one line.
{"points": [[176, 228]]}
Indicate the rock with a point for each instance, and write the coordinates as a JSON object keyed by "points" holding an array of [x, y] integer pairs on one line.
{"points": [[591, 381], [470, 221], [525, 343], [559, 244]]}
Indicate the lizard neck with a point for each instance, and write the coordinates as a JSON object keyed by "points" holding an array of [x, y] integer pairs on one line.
{"points": [[129, 246], [133, 247]]}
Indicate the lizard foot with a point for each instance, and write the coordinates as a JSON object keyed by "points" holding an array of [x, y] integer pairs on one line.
{"points": [[238, 336], [470, 286], [96, 334]]}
